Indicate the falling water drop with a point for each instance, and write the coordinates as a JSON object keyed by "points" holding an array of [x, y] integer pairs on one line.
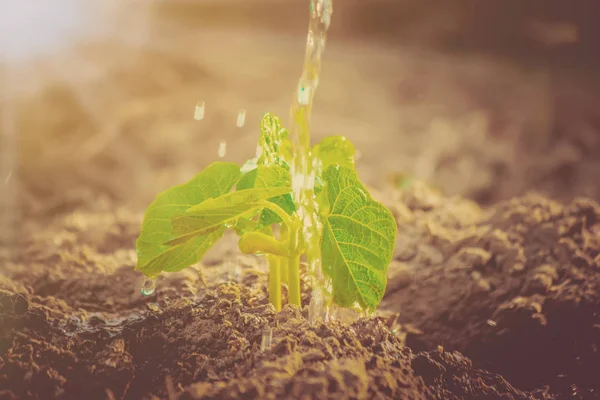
{"points": [[222, 149], [8, 176], [241, 118], [267, 339], [304, 95], [149, 286], [199, 111]]}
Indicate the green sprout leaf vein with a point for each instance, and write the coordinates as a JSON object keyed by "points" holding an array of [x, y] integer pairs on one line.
{"points": [[358, 240]]}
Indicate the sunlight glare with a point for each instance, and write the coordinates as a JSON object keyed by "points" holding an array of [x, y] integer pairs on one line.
{"points": [[38, 27], [47, 44]]}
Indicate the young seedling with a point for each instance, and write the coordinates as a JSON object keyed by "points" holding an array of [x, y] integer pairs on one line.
{"points": [[356, 242]]}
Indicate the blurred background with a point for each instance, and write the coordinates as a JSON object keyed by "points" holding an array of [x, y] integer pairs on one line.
{"points": [[483, 99]]}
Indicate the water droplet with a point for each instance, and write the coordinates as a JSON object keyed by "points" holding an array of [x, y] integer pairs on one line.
{"points": [[8, 176], [304, 95], [267, 339], [491, 322], [231, 224], [222, 149], [199, 111], [149, 286], [241, 118]]}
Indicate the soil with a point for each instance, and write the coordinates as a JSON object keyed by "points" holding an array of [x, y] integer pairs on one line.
{"points": [[515, 287], [74, 325], [494, 291], [491, 303]]}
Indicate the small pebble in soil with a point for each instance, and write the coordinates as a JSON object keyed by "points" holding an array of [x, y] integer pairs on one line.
{"points": [[149, 286]]}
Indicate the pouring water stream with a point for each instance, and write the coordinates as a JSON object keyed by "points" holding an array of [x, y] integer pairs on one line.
{"points": [[304, 167]]}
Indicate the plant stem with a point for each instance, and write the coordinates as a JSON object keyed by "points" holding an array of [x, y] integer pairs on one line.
{"points": [[293, 225], [294, 263], [275, 282], [258, 242], [284, 237], [294, 280], [284, 268], [285, 217]]}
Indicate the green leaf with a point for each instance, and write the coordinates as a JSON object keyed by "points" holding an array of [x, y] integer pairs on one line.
{"points": [[270, 177], [223, 211], [332, 150], [274, 143], [335, 150], [239, 198], [358, 240], [154, 255]]}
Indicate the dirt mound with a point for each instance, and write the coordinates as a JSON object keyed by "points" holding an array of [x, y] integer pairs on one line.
{"points": [[516, 288]]}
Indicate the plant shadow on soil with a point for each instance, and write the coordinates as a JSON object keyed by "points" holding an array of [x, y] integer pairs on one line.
{"points": [[515, 288]]}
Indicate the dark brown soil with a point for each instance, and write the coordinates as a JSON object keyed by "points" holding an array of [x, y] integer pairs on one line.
{"points": [[516, 288], [74, 325]]}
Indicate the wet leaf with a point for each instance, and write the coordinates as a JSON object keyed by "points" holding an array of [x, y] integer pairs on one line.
{"points": [[270, 177], [154, 255], [332, 150], [223, 211], [335, 150], [358, 240]]}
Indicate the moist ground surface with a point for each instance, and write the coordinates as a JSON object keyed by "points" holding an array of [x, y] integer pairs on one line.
{"points": [[514, 287]]}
